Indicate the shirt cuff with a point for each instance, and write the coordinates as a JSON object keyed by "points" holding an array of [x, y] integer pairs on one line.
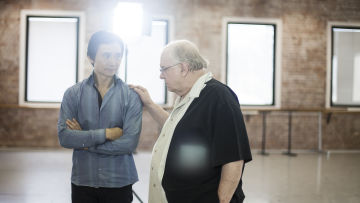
{"points": [[98, 136]]}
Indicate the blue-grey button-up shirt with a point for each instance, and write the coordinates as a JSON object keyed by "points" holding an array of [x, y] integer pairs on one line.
{"points": [[98, 162]]}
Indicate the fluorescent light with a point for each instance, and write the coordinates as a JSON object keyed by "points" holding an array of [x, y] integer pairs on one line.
{"points": [[127, 20]]}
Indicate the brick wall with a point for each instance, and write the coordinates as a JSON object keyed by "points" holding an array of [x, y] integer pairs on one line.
{"points": [[303, 63]]}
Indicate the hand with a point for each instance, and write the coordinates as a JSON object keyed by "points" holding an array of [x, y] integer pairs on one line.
{"points": [[113, 133], [73, 124], [144, 95]]}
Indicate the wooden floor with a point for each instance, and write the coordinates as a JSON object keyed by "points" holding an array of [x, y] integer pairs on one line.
{"points": [[36, 176]]}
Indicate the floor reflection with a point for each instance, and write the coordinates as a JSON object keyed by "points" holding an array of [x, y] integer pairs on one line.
{"points": [[44, 176]]}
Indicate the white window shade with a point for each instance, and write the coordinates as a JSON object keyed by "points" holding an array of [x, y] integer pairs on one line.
{"points": [[345, 64], [251, 62], [51, 57]]}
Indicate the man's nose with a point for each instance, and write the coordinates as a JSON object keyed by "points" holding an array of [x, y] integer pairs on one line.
{"points": [[113, 60], [162, 75]]}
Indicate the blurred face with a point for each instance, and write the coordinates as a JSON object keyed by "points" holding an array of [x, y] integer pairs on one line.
{"points": [[107, 60], [171, 72]]}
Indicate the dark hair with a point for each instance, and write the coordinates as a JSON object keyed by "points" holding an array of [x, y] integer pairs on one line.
{"points": [[102, 37]]}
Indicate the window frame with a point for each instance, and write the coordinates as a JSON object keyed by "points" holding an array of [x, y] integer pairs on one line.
{"points": [[24, 15], [148, 24], [169, 96], [167, 40], [329, 66], [277, 23]]}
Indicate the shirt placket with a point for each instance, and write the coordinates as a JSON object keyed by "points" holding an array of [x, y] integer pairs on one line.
{"points": [[165, 141], [97, 157], [159, 150]]}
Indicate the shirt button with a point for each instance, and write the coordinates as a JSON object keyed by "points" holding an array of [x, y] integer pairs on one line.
{"points": [[152, 168], [154, 185], [155, 150]]}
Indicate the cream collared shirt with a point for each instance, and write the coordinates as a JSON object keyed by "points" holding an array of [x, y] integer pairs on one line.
{"points": [[160, 150]]}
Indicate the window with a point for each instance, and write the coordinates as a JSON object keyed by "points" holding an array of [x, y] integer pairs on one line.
{"points": [[49, 56], [345, 65], [252, 68], [140, 65]]}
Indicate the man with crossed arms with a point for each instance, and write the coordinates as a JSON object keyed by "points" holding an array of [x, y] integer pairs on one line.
{"points": [[100, 119]]}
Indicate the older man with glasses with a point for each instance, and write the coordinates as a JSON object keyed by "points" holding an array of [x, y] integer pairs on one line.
{"points": [[203, 145]]}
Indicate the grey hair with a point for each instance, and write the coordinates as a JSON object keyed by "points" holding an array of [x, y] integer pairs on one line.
{"points": [[186, 51]]}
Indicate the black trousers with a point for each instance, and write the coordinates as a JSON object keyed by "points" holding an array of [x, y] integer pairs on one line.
{"points": [[84, 194]]}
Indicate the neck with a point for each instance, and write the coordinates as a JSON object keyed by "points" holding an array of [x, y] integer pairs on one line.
{"points": [[102, 81], [190, 80]]}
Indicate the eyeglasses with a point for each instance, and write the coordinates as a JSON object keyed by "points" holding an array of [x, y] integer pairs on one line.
{"points": [[163, 69]]}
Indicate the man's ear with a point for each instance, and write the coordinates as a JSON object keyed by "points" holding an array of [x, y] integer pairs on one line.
{"points": [[185, 69], [91, 61]]}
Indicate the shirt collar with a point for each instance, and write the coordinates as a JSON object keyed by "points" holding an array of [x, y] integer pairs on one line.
{"points": [[199, 85], [195, 90], [91, 79]]}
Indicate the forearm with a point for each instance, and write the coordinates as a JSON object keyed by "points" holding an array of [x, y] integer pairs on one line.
{"points": [[116, 147], [123, 145], [230, 177], [76, 139], [157, 113]]}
